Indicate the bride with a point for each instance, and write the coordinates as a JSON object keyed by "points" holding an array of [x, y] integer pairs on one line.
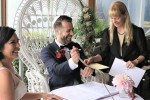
{"points": [[11, 86]]}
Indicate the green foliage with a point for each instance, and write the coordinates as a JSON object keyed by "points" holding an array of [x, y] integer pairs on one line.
{"points": [[36, 34], [53, 36], [16, 66], [87, 29], [99, 26]]}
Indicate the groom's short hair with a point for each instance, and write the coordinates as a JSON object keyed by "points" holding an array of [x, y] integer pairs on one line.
{"points": [[58, 22]]}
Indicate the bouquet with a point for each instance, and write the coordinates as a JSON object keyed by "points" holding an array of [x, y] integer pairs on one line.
{"points": [[124, 83]]}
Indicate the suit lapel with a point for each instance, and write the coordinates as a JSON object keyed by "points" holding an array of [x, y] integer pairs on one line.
{"points": [[54, 46]]}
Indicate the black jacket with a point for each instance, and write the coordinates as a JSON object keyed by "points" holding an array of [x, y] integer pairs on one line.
{"points": [[136, 48]]}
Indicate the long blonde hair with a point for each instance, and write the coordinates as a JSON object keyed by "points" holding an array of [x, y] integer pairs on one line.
{"points": [[118, 8]]}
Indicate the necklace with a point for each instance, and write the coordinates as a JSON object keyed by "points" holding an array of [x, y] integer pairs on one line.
{"points": [[121, 34]]}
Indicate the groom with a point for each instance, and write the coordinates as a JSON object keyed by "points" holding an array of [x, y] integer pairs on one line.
{"points": [[61, 57]]}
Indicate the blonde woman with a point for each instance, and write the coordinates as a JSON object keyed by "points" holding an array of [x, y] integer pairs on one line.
{"points": [[122, 39], [11, 85]]}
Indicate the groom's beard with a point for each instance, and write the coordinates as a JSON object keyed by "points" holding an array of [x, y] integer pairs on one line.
{"points": [[65, 40]]}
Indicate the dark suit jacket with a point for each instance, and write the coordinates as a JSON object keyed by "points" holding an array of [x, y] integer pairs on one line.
{"points": [[60, 73], [136, 48]]}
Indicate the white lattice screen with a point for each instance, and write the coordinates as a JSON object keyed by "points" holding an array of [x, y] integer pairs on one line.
{"points": [[34, 24]]}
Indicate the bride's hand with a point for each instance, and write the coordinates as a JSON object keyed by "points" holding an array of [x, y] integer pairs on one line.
{"points": [[51, 97]]}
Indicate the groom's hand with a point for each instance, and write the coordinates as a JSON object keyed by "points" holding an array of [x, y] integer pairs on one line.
{"points": [[75, 55]]}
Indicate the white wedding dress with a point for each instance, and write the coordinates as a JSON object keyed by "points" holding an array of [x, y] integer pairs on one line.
{"points": [[20, 88]]}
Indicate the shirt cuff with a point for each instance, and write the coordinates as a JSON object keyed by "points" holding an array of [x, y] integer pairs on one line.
{"points": [[72, 65]]}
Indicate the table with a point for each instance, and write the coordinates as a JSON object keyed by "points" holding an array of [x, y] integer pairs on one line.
{"points": [[116, 97], [90, 91]]}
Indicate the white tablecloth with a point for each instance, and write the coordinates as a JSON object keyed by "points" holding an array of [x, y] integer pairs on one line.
{"points": [[90, 91]]}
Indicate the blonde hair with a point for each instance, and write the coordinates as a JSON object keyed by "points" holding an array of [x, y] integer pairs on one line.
{"points": [[116, 9]]}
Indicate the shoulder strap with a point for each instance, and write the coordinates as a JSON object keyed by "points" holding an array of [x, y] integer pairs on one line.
{"points": [[2, 68]]}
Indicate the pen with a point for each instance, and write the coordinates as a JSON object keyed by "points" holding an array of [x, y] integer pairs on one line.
{"points": [[71, 49], [83, 62]]}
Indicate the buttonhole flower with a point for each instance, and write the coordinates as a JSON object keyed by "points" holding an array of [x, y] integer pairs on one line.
{"points": [[60, 53]]}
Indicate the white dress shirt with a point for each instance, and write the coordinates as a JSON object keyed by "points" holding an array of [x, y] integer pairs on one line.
{"points": [[72, 65]]}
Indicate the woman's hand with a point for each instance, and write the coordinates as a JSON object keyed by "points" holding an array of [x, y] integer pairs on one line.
{"points": [[87, 72], [89, 60], [51, 97], [130, 64], [93, 59]]}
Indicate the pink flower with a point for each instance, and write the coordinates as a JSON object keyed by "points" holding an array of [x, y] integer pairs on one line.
{"points": [[131, 95], [123, 82]]}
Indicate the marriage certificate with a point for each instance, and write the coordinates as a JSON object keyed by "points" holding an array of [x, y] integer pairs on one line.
{"points": [[119, 67]]}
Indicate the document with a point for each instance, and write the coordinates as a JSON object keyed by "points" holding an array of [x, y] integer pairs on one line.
{"points": [[97, 66], [87, 91], [119, 67]]}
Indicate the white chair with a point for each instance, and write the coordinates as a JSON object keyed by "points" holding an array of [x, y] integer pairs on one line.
{"points": [[34, 26]]}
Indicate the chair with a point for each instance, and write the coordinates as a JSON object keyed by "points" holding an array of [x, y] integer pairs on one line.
{"points": [[34, 27]]}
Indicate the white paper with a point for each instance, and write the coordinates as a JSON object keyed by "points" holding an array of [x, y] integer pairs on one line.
{"points": [[87, 91], [97, 66], [119, 67]]}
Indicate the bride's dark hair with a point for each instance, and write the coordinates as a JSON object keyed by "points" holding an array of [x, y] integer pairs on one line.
{"points": [[5, 34]]}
